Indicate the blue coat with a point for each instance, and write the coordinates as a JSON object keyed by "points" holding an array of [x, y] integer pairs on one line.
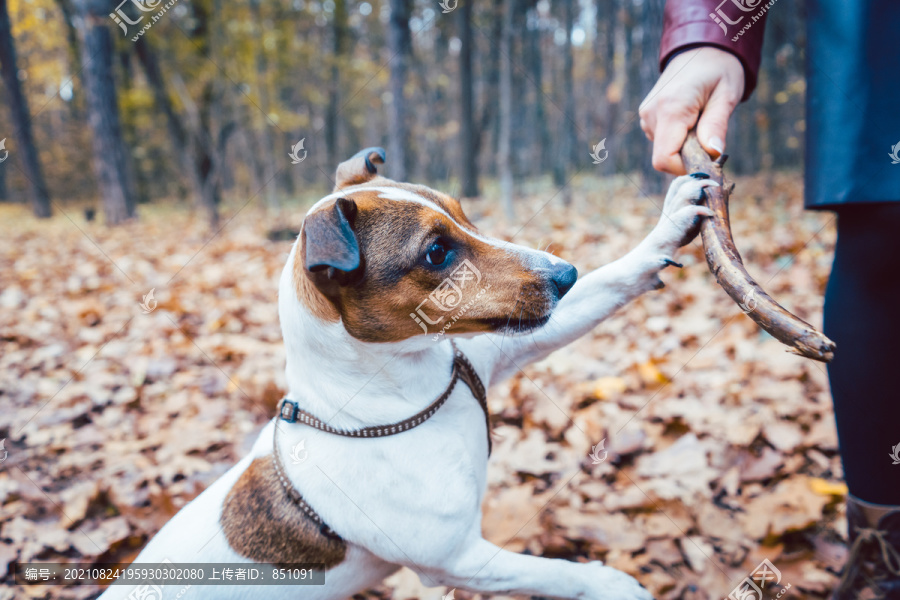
{"points": [[852, 102]]}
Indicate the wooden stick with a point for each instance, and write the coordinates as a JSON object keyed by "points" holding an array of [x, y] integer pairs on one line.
{"points": [[725, 263]]}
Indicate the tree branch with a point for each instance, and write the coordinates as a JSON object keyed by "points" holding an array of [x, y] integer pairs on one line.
{"points": [[725, 263]]}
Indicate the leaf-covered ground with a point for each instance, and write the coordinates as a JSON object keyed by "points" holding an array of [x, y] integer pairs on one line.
{"points": [[720, 446]]}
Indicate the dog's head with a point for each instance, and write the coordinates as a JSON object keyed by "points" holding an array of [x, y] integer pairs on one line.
{"points": [[394, 260]]}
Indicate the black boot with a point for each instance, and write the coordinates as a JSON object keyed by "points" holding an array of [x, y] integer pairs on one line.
{"points": [[873, 565]]}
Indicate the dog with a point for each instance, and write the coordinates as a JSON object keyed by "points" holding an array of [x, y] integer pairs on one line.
{"points": [[397, 313]]}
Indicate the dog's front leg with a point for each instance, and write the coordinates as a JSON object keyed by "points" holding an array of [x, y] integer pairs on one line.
{"points": [[484, 568], [600, 293]]}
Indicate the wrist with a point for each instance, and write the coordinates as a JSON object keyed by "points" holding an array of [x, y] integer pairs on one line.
{"points": [[715, 56], [710, 66]]}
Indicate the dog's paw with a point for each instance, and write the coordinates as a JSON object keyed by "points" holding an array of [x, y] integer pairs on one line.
{"points": [[680, 221], [612, 584], [657, 264]]}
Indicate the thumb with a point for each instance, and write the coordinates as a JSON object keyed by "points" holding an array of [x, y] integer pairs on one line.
{"points": [[713, 124]]}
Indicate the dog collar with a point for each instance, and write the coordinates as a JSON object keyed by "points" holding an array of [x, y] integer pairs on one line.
{"points": [[291, 412]]}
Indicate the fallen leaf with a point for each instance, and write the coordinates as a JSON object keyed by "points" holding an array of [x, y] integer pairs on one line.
{"points": [[828, 488]]}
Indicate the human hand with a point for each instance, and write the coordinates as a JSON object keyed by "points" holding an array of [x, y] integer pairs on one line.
{"points": [[702, 82]]}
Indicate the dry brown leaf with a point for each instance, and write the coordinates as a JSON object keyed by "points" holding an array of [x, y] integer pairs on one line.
{"points": [[792, 505], [762, 467], [664, 551], [512, 517], [698, 552], [606, 531], [783, 435]]}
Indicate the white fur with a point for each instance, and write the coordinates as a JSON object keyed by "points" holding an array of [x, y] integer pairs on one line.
{"points": [[414, 499]]}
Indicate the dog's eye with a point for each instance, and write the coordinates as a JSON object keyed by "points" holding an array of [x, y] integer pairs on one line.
{"points": [[436, 254]]}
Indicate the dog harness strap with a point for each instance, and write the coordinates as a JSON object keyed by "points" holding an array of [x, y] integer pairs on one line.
{"points": [[467, 374], [291, 412], [294, 495]]}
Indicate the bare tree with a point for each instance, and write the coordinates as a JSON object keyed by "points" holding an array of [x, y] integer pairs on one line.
{"points": [[541, 144], [651, 31], [110, 153], [566, 147], [468, 147], [198, 155], [400, 48], [68, 13], [262, 68], [504, 155], [490, 84], [432, 100], [18, 106], [340, 34]]}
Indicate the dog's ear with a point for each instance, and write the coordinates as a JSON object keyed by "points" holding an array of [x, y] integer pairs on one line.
{"points": [[359, 168], [329, 242]]}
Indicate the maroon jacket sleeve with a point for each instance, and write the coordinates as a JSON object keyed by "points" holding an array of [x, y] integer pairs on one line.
{"points": [[733, 25]]}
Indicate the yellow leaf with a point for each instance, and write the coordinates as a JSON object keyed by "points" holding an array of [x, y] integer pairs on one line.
{"points": [[607, 388], [827, 488], [650, 374]]}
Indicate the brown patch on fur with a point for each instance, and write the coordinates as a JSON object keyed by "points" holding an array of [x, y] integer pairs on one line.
{"points": [[263, 524]]}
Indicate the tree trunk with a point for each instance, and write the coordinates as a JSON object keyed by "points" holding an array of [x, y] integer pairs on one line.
{"points": [[208, 152], [566, 148], [210, 144], [490, 123], [631, 144], [438, 166], [652, 21], [541, 155], [3, 185], [139, 180], [504, 162], [23, 140], [596, 85], [68, 12], [614, 44], [262, 68], [520, 88], [400, 49], [191, 154], [468, 147], [110, 153], [339, 39]]}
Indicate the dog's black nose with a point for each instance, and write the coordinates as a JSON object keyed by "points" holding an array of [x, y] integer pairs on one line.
{"points": [[564, 276]]}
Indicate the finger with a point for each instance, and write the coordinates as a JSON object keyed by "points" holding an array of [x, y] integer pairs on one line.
{"points": [[647, 129], [647, 113], [668, 140], [712, 127]]}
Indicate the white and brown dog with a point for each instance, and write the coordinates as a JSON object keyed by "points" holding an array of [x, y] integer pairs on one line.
{"points": [[380, 460]]}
